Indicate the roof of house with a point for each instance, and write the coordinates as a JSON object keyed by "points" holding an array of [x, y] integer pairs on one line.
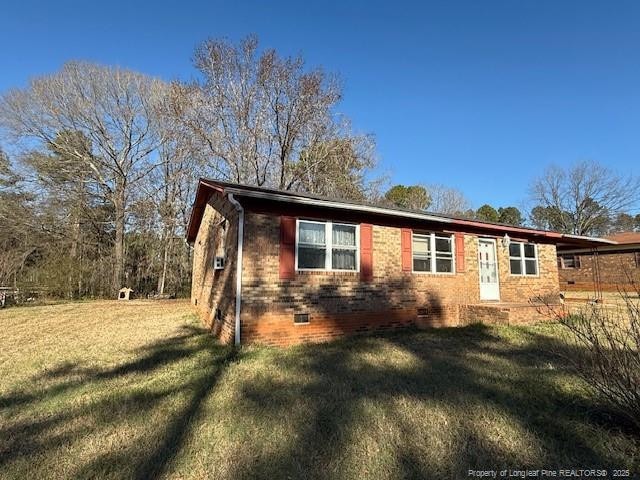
{"points": [[625, 238], [206, 187]]}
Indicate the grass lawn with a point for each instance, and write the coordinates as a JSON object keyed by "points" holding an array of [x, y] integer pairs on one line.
{"points": [[140, 390]]}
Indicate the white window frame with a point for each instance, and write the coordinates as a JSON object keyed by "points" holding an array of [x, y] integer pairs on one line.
{"points": [[328, 236], [434, 255], [522, 259]]}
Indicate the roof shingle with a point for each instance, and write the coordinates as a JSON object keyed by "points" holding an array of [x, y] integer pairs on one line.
{"points": [[625, 238]]}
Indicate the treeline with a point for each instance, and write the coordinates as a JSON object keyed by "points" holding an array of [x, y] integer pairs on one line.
{"points": [[583, 199], [449, 201], [100, 163]]}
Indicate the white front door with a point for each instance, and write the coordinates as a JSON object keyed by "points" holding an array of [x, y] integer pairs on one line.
{"points": [[488, 269]]}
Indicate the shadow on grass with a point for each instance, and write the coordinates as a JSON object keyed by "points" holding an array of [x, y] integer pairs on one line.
{"points": [[193, 348], [463, 371], [73, 375], [326, 394]]}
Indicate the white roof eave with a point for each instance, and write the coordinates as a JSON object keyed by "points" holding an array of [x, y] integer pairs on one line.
{"points": [[337, 205], [591, 239]]}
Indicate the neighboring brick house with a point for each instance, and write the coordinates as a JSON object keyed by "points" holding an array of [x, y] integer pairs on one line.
{"points": [[606, 268], [281, 267]]}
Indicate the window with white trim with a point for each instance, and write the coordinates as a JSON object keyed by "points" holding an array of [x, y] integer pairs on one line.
{"points": [[327, 246], [432, 253], [523, 258]]}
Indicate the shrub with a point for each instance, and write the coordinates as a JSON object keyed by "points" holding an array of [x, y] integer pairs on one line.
{"points": [[605, 351]]}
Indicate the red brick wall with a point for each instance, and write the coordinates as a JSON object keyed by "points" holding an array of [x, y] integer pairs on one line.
{"points": [[615, 271], [340, 303], [213, 290], [517, 288], [504, 314]]}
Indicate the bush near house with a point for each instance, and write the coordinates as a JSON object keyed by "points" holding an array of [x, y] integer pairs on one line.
{"points": [[140, 390], [601, 343]]}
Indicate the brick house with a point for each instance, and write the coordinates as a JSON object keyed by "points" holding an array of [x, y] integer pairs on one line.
{"points": [[280, 267], [605, 268]]}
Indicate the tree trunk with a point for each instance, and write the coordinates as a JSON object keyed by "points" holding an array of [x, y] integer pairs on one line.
{"points": [[119, 205], [80, 271], [165, 261], [73, 254]]}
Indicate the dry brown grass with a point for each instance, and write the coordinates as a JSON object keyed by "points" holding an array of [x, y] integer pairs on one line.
{"points": [[107, 332], [140, 390]]}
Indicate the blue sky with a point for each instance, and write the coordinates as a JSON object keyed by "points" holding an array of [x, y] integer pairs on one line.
{"points": [[480, 95]]}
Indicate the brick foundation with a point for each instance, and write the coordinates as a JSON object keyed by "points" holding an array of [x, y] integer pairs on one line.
{"points": [[503, 314]]}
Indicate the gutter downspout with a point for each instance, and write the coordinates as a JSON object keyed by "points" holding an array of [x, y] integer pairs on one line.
{"points": [[238, 265]]}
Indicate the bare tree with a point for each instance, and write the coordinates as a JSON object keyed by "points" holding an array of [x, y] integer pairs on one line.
{"points": [[113, 108], [447, 200], [172, 187], [584, 197], [266, 120], [601, 344], [113, 155], [335, 168]]}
